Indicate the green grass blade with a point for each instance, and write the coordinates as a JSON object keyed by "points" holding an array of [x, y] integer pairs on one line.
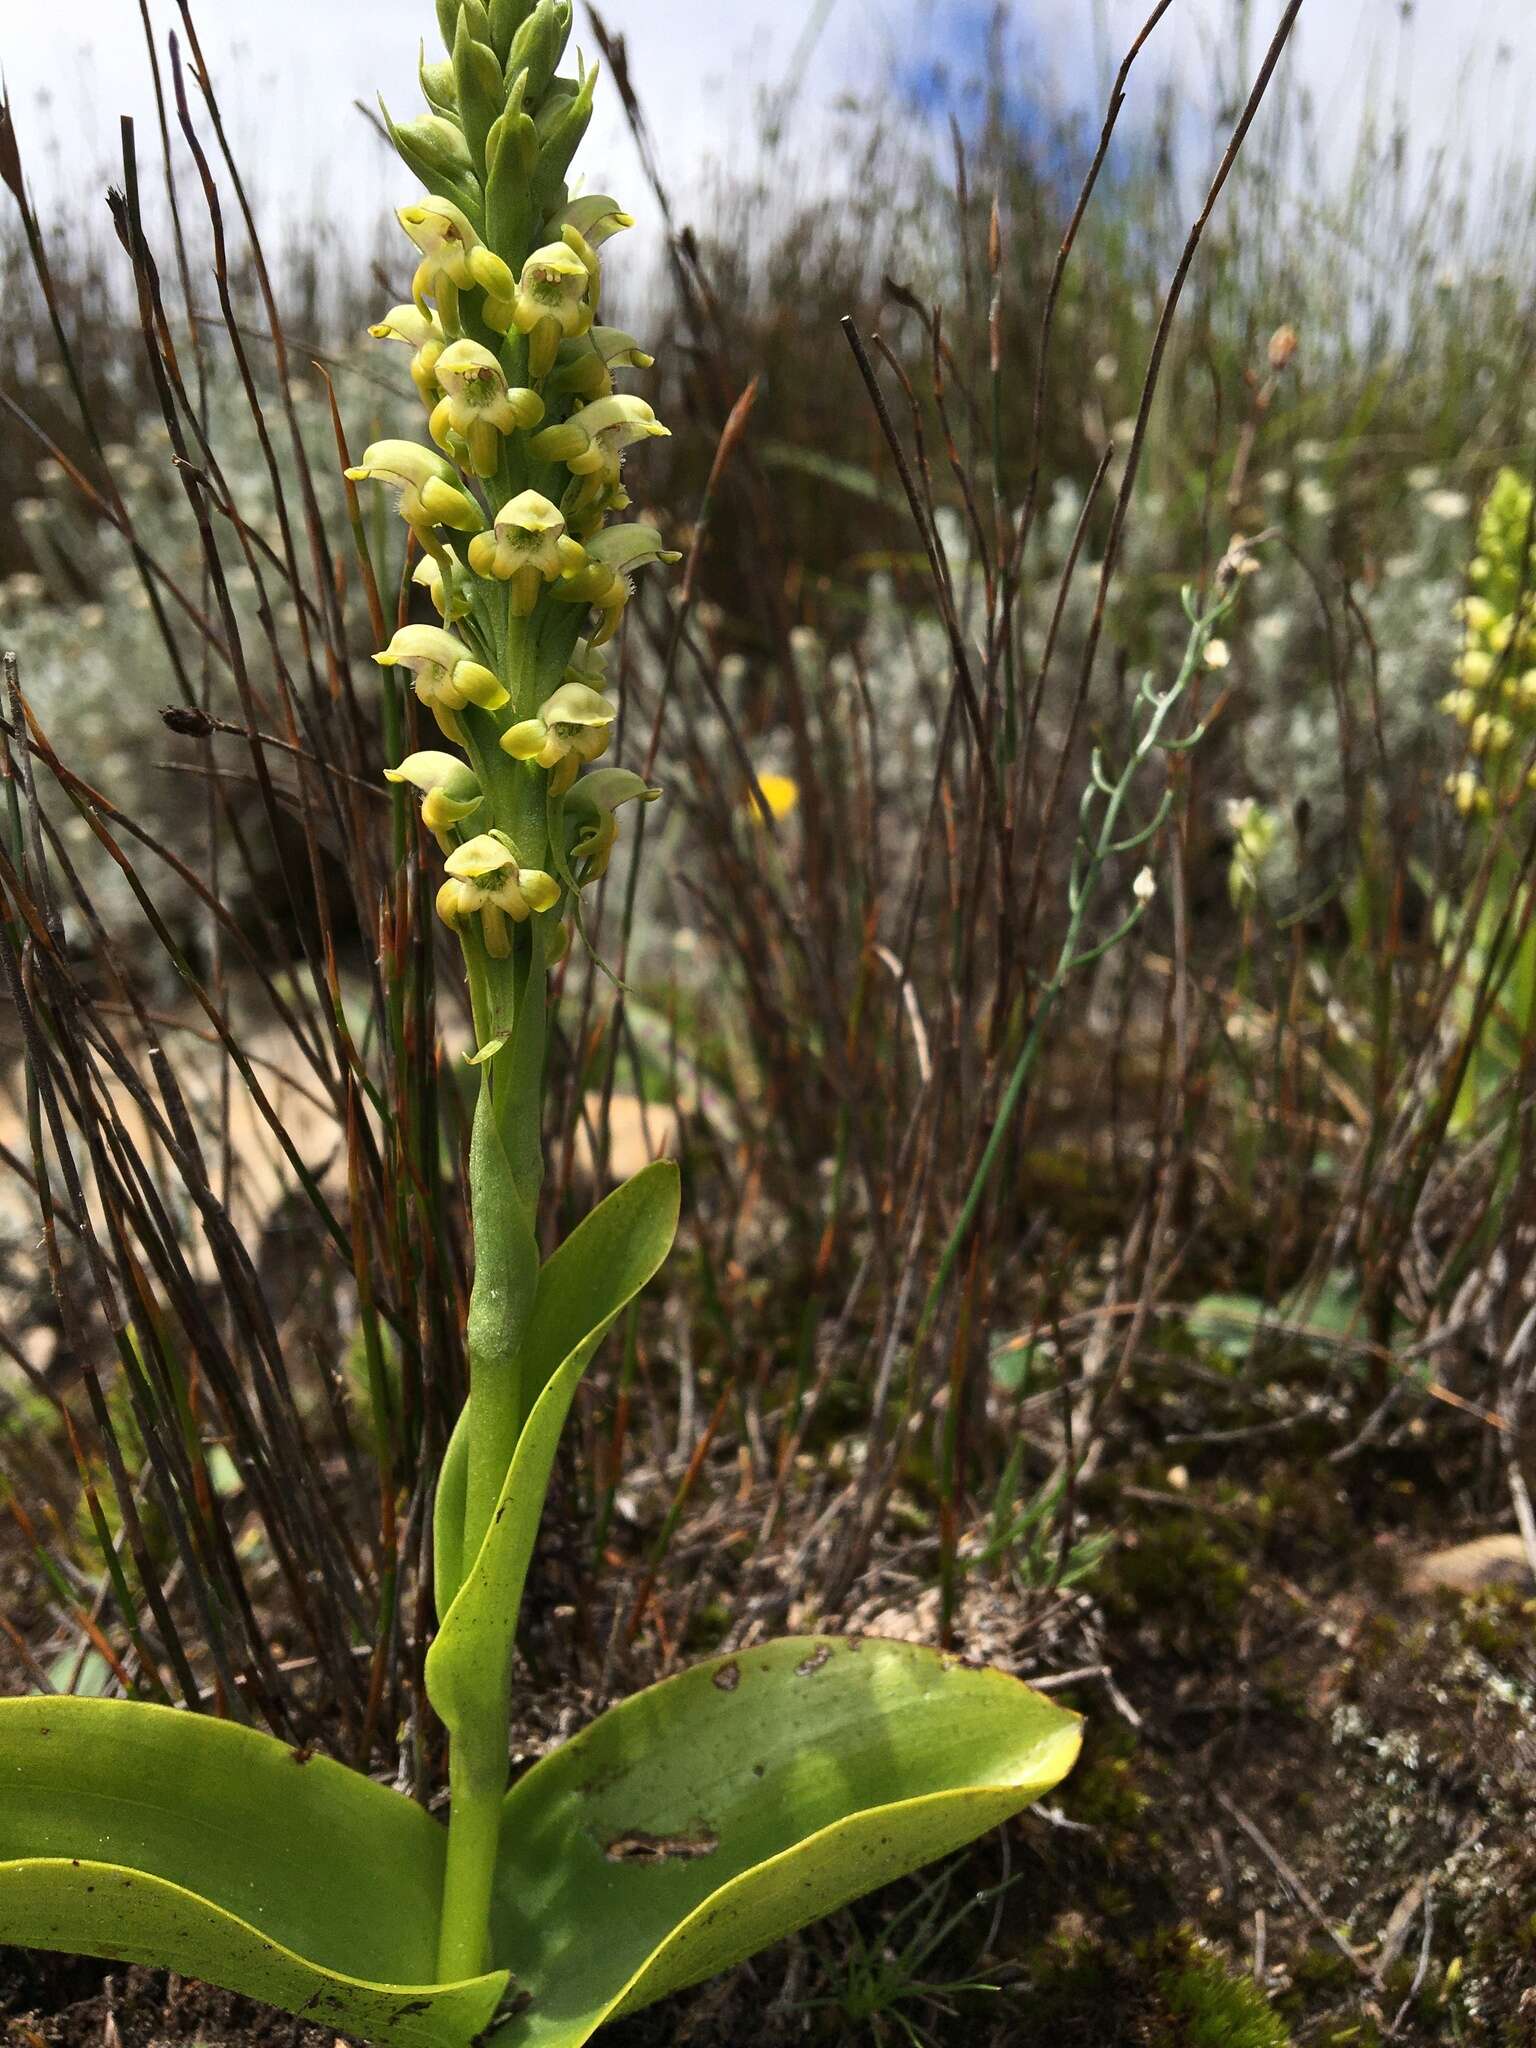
{"points": [[717, 1812]]}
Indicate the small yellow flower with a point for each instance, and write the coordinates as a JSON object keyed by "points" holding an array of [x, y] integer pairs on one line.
{"points": [[1473, 668], [445, 675], [419, 331], [591, 442], [602, 576], [552, 303], [450, 791], [781, 793], [1491, 733], [427, 487], [527, 548], [443, 234], [572, 726], [477, 405], [1468, 793], [450, 600], [485, 880]]}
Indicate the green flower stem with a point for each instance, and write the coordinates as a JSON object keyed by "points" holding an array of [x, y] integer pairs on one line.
{"points": [[478, 1785], [508, 999]]}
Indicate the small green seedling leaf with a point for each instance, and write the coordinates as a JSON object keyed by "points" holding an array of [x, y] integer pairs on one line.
{"points": [[148, 1835], [717, 1812], [601, 1266]]}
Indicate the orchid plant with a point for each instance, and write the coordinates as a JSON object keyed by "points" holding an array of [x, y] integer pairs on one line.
{"points": [[714, 1813]]}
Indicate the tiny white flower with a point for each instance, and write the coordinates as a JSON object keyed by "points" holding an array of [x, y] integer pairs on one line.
{"points": [[1447, 505], [1144, 888], [1217, 654]]}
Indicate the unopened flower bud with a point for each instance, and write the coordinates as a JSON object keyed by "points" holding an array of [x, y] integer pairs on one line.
{"points": [[1283, 344]]}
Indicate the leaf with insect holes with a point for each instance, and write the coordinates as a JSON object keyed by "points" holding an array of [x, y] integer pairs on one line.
{"points": [[581, 1288], [147, 1835], [712, 1815]]}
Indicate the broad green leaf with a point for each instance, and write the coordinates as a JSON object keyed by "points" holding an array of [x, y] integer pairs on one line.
{"points": [[582, 1287], [149, 1835], [710, 1816]]}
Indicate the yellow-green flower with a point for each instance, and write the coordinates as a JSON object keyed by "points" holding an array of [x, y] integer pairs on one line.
{"points": [[527, 547], [552, 303], [445, 676], [591, 442], [428, 488], [450, 599], [602, 578], [1469, 795], [485, 881], [477, 405], [450, 791], [572, 726], [584, 367], [443, 234], [590, 808], [421, 332]]}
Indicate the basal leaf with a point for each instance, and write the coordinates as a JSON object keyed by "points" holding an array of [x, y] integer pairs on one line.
{"points": [[717, 1812], [605, 1261], [103, 1909], [149, 1835]]}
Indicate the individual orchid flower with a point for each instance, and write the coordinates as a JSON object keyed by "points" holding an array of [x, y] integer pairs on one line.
{"points": [[419, 331], [478, 406], [591, 804], [428, 487], [450, 791], [527, 547], [485, 880], [584, 367], [591, 442], [449, 592], [594, 216], [603, 577], [445, 676], [573, 725], [443, 234], [453, 257], [552, 303]]}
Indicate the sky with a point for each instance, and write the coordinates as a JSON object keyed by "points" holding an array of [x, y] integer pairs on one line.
{"points": [[289, 71]]}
